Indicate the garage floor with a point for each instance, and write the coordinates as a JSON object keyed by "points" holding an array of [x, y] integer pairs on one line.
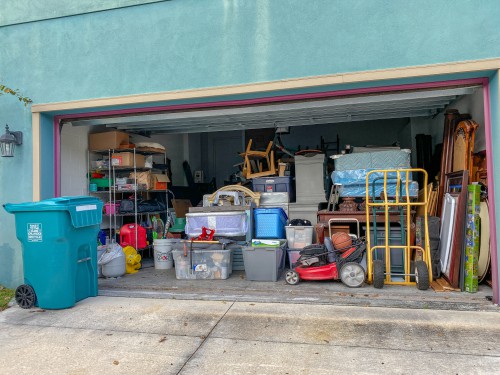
{"points": [[151, 283]]}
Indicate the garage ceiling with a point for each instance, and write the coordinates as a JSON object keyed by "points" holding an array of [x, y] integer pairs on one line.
{"points": [[424, 103]]}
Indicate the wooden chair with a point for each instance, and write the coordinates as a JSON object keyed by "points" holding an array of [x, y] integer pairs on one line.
{"points": [[253, 161]]}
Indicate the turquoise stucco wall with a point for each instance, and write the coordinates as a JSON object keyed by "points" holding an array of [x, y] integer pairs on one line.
{"points": [[183, 44]]}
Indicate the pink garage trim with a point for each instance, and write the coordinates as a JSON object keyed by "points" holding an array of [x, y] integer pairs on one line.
{"points": [[491, 192], [318, 95], [282, 98]]}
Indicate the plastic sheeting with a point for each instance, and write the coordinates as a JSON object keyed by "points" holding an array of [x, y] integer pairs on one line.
{"points": [[359, 190], [392, 159], [358, 176]]}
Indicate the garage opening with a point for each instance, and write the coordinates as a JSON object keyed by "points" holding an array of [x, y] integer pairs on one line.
{"points": [[195, 152]]}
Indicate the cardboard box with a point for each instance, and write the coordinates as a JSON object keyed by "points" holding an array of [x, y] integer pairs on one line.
{"points": [[144, 178], [181, 207], [266, 243], [160, 181], [107, 140], [126, 159]]}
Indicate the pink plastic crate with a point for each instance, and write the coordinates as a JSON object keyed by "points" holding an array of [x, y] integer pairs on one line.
{"points": [[111, 208]]}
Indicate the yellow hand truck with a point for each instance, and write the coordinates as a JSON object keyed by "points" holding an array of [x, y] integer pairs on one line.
{"points": [[388, 200]]}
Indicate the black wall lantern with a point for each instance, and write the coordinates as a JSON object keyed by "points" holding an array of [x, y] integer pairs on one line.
{"points": [[8, 142]]}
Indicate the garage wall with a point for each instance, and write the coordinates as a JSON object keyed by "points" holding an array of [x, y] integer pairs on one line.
{"points": [[379, 133], [175, 45], [175, 147], [74, 152]]}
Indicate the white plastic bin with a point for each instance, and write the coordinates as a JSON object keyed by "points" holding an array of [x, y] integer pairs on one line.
{"points": [[299, 236]]}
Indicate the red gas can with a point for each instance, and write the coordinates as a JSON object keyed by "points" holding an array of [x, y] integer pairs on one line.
{"points": [[127, 236]]}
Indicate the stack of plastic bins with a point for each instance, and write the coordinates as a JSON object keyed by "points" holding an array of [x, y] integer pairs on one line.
{"points": [[264, 262], [59, 238], [297, 238], [235, 225]]}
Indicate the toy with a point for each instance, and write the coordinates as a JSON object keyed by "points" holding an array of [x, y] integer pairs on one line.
{"points": [[132, 260], [341, 240], [206, 234]]}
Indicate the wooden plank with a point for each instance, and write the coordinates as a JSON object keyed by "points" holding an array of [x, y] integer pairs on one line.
{"points": [[437, 287], [446, 285]]}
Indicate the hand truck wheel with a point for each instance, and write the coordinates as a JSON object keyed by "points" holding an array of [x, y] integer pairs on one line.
{"points": [[421, 275], [378, 274]]}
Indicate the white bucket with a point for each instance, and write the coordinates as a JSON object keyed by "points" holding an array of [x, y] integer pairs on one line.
{"points": [[163, 253]]}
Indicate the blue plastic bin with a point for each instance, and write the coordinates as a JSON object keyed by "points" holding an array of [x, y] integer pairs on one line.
{"points": [[59, 238], [269, 222]]}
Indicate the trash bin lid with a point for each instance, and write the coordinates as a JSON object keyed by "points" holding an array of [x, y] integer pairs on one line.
{"points": [[84, 210]]}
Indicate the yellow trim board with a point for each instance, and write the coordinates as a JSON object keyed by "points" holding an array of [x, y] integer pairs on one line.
{"points": [[294, 83]]}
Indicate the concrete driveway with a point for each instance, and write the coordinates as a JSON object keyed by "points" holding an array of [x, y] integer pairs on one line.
{"points": [[168, 336]]}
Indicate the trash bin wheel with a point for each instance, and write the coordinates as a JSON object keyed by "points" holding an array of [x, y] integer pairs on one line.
{"points": [[352, 275], [421, 275], [25, 296], [292, 277], [378, 274]]}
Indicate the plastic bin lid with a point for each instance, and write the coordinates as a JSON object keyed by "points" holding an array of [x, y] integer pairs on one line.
{"points": [[53, 204], [84, 211]]}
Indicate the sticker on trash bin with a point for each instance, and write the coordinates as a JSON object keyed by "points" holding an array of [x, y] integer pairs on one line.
{"points": [[35, 232], [87, 207]]}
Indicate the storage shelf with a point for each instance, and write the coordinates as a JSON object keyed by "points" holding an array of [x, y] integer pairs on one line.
{"points": [[121, 168], [141, 152], [128, 191]]}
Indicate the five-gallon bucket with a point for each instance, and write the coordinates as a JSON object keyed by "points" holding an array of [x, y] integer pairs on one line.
{"points": [[163, 253]]}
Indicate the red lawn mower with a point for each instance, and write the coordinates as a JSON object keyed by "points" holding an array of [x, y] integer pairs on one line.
{"points": [[317, 262]]}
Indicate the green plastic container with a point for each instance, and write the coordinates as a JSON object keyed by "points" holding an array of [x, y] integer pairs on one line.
{"points": [[59, 249], [100, 182]]}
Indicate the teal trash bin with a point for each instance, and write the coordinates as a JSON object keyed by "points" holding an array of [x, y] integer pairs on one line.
{"points": [[59, 238]]}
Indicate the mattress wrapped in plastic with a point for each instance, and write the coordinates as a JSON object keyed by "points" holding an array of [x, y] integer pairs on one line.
{"points": [[358, 176], [359, 190], [391, 159], [353, 183]]}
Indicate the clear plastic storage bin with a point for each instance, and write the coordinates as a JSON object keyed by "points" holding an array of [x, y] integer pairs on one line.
{"points": [[299, 236], [231, 223], [202, 262]]}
